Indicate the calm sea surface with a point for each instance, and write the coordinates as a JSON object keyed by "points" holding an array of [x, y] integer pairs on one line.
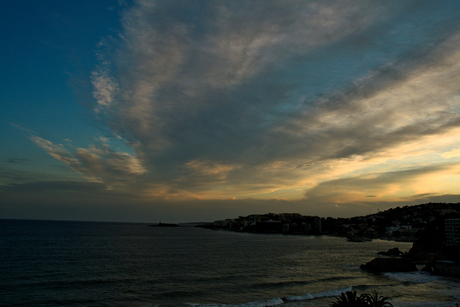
{"points": [[55, 263]]}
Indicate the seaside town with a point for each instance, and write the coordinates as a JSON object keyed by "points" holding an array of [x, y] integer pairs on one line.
{"points": [[434, 229], [399, 224]]}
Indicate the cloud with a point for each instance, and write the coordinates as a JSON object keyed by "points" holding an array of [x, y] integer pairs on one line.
{"points": [[180, 60], [58, 152], [103, 163], [68, 200], [451, 154], [98, 163], [104, 88], [18, 161], [74, 200], [280, 99], [388, 185], [209, 168]]}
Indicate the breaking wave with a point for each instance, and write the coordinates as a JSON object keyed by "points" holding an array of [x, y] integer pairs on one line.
{"points": [[412, 277], [279, 300]]}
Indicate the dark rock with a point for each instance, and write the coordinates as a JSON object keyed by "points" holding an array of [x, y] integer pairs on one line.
{"points": [[391, 252], [355, 239], [379, 265], [447, 268], [429, 267]]}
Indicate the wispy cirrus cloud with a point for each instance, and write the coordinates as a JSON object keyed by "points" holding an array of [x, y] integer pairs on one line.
{"points": [[58, 152], [98, 163]]}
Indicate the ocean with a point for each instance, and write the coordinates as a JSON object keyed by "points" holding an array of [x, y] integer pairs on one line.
{"points": [[60, 263]]}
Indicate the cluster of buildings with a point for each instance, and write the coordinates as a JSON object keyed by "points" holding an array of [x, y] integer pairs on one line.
{"points": [[401, 224], [434, 228], [285, 223]]}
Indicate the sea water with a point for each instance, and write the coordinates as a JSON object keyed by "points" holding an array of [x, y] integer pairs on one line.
{"points": [[57, 263]]}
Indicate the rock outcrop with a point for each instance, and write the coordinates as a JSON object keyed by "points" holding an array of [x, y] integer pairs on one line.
{"points": [[380, 265], [391, 252]]}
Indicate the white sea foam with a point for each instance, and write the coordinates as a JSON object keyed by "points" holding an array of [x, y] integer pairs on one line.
{"points": [[273, 302], [329, 293], [414, 277], [306, 296], [278, 301], [267, 303], [310, 296], [397, 303]]}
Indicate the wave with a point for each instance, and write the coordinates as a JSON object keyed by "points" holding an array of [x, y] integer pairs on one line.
{"points": [[278, 300], [279, 284], [290, 283], [398, 303], [310, 296], [272, 302], [333, 278], [412, 277]]}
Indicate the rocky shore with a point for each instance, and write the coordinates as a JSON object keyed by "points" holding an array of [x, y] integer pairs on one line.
{"points": [[446, 264], [392, 260]]}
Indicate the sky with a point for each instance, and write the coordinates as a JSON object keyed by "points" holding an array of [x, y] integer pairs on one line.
{"points": [[181, 111]]}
